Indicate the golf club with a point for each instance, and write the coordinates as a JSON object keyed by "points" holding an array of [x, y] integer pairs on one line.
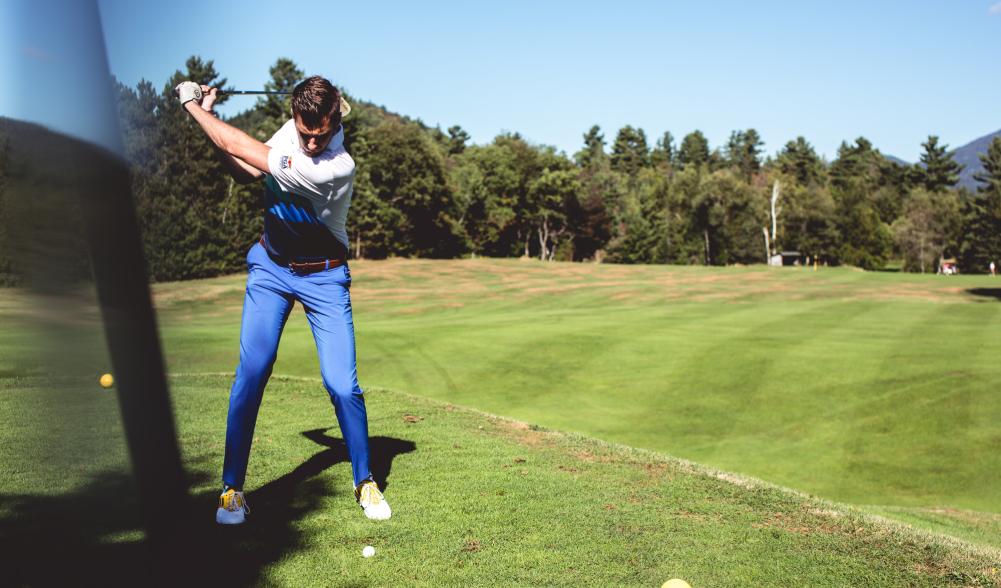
{"points": [[250, 92]]}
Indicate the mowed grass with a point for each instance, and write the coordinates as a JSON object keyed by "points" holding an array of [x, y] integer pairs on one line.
{"points": [[877, 389], [478, 501]]}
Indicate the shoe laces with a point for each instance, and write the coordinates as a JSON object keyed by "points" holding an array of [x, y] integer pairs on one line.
{"points": [[369, 494], [233, 501]]}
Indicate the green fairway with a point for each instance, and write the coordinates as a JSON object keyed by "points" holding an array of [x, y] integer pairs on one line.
{"points": [[876, 389], [478, 500]]}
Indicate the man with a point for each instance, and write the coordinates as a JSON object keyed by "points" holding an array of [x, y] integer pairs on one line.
{"points": [[302, 256]]}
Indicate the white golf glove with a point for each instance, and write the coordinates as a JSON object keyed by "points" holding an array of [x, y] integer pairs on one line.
{"points": [[188, 91]]}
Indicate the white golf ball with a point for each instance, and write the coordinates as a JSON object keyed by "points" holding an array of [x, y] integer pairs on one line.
{"points": [[369, 551]]}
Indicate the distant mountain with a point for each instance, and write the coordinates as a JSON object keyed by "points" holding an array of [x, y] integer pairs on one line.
{"points": [[897, 160], [968, 156]]}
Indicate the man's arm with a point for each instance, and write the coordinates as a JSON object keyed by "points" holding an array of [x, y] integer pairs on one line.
{"points": [[231, 140], [240, 170]]}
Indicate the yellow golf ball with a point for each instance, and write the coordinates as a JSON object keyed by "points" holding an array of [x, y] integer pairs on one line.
{"points": [[107, 381], [676, 583]]}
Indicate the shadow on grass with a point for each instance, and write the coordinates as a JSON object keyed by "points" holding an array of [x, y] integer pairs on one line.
{"points": [[994, 293], [93, 535]]}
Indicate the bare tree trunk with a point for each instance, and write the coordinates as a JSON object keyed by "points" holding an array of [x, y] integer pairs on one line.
{"points": [[229, 197], [358, 245], [555, 239], [528, 235], [705, 233], [768, 247], [921, 253], [775, 215]]}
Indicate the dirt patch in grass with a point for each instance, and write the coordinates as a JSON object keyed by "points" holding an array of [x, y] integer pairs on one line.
{"points": [[791, 524]]}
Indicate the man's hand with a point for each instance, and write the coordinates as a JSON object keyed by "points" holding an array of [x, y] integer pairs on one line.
{"points": [[188, 91], [209, 96]]}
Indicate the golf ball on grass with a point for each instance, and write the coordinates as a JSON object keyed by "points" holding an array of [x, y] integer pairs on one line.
{"points": [[369, 551], [676, 583], [107, 381]]}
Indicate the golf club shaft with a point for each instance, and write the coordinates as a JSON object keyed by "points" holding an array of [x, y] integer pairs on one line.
{"points": [[252, 92]]}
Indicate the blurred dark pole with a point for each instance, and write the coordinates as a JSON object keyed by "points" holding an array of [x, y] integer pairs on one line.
{"points": [[116, 256], [66, 38]]}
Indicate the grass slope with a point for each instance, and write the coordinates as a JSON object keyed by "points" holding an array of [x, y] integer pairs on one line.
{"points": [[876, 389], [478, 500]]}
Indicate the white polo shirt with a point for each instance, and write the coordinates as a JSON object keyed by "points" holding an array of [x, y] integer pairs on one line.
{"points": [[307, 198]]}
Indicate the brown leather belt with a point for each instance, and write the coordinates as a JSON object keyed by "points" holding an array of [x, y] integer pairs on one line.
{"points": [[309, 267]]}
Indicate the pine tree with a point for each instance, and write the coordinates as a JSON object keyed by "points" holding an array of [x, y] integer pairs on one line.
{"points": [[182, 215], [939, 170], [990, 178], [630, 152], [457, 139], [664, 154], [274, 109], [798, 159], [593, 152], [694, 150], [980, 242], [743, 152]]}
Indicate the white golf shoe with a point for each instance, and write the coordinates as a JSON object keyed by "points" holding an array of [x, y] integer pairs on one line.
{"points": [[372, 501], [232, 509]]}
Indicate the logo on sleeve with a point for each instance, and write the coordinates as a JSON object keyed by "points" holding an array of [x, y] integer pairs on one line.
{"points": [[286, 162]]}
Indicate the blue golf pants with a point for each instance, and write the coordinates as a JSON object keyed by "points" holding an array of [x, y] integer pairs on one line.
{"points": [[324, 295]]}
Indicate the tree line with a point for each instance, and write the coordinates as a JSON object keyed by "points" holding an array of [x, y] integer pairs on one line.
{"points": [[424, 192]]}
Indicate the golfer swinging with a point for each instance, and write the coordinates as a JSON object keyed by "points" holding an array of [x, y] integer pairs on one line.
{"points": [[308, 178]]}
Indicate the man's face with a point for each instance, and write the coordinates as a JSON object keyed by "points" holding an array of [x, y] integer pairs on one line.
{"points": [[314, 140]]}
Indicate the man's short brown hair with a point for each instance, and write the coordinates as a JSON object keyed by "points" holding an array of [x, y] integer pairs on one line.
{"points": [[314, 100]]}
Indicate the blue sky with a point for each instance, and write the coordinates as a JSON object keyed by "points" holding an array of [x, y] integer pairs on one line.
{"points": [[893, 71]]}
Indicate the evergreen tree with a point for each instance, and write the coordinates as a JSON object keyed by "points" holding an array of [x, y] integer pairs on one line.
{"points": [[743, 152], [866, 241], [990, 177], [639, 214], [855, 163], [457, 139], [799, 160], [939, 170], [980, 242], [593, 152], [694, 150], [183, 214], [630, 152], [664, 154], [275, 110]]}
